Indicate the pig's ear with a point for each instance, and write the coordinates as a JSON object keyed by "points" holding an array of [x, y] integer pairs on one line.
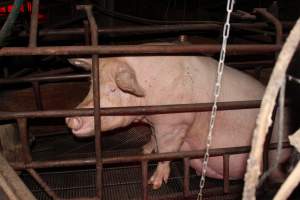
{"points": [[84, 63], [126, 80]]}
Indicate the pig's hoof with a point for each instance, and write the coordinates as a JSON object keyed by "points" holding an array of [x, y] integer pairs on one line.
{"points": [[161, 174]]}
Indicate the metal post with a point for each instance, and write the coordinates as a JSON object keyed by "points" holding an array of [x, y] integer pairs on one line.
{"points": [[96, 98], [145, 179], [34, 23]]}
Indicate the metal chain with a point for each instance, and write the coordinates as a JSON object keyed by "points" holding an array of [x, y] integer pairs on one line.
{"points": [[217, 90]]}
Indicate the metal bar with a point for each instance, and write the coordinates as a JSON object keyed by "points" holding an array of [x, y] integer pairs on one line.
{"points": [[34, 23], [20, 73], [105, 50], [274, 21], [134, 110], [42, 183], [145, 179], [138, 158], [49, 76], [87, 32], [44, 79], [226, 173], [155, 29], [11, 184], [186, 177], [52, 72], [37, 95], [96, 98], [23, 130]]}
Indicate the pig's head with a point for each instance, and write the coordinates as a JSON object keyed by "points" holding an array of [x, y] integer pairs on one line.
{"points": [[118, 87]]}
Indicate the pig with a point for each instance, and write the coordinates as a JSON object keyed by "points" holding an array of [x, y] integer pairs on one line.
{"points": [[164, 80]]}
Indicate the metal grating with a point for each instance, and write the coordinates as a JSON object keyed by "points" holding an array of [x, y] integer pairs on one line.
{"points": [[123, 183]]}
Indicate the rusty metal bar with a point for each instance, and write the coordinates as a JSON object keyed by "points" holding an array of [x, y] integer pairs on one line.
{"points": [[137, 158], [186, 177], [145, 29], [155, 29], [87, 32], [52, 72], [42, 183], [145, 179], [11, 184], [96, 98], [44, 79], [49, 76], [226, 173], [37, 95], [34, 23], [134, 110], [23, 130], [274, 21], [106, 50]]}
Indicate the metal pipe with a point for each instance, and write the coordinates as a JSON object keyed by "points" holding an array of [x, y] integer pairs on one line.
{"points": [[271, 18], [37, 95], [45, 79], [226, 173], [34, 23], [186, 177], [23, 130], [155, 29], [145, 179], [96, 98], [106, 50], [137, 158], [48, 76], [87, 32], [145, 110], [42, 183]]}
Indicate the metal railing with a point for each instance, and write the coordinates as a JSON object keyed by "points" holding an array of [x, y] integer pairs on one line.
{"points": [[30, 165]]}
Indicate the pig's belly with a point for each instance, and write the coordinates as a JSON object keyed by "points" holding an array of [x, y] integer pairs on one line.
{"points": [[237, 165], [232, 129]]}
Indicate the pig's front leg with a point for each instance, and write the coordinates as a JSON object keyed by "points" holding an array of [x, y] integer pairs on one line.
{"points": [[169, 139]]}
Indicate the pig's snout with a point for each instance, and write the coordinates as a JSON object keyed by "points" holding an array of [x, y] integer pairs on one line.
{"points": [[75, 123]]}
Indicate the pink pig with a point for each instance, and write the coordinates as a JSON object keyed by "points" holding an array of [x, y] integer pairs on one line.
{"points": [[161, 80]]}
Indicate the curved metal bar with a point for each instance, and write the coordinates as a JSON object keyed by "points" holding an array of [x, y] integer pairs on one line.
{"points": [[271, 18]]}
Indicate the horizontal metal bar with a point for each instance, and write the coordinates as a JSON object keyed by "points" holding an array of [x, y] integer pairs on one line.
{"points": [[141, 30], [146, 110], [137, 158], [51, 78], [44, 79], [106, 50]]}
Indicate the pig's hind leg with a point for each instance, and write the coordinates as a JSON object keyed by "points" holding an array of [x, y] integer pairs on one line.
{"points": [[169, 139]]}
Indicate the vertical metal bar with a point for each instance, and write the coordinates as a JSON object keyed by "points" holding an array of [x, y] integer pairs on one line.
{"points": [[145, 179], [34, 23], [23, 129], [42, 183], [96, 98], [37, 95], [87, 32], [226, 173], [186, 177]]}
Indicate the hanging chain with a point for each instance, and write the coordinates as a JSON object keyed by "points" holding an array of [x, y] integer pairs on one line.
{"points": [[217, 90]]}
